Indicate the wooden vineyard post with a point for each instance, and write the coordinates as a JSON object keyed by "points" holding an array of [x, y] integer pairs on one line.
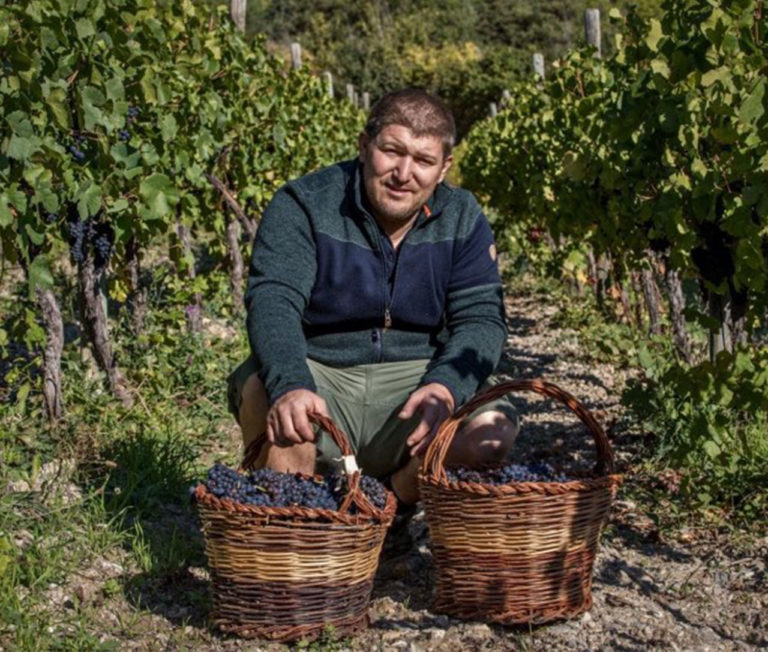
{"points": [[650, 294], [54, 344], [236, 268], [351, 93], [493, 110], [367, 101], [187, 267], [329, 83], [237, 11], [538, 67], [295, 56], [592, 30], [677, 313]]}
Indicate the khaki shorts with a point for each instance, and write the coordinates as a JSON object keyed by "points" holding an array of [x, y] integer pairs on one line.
{"points": [[364, 401]]}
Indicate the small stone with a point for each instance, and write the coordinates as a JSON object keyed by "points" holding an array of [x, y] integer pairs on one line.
{"points": [[480, 630], [109, 568], [400, 570], [18, 486], [23, 539], [391, 636], [82, 594], [435, 634], [442, 621]]}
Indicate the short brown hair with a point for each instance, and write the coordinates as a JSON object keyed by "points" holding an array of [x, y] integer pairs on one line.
{"points": [[422, 113]]}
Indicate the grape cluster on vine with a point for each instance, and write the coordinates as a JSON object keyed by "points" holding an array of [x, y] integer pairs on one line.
{"points": [[89, 235], [268, 488], [74, 149], [125, 134], [76, 230], [506, 474]]}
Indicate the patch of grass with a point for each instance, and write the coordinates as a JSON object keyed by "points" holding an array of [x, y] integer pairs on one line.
{"points": [[44, 544], [133, 467], [328, 641]]}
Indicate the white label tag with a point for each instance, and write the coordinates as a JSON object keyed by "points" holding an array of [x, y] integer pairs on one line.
{"points": [[350, 464]]}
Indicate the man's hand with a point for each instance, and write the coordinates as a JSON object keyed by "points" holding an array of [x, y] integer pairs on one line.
{"points": [[287, 420], [434, 402]]}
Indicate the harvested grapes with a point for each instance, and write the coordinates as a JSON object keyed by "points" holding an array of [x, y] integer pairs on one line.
{"points": [[507, 474], [268, 488]]}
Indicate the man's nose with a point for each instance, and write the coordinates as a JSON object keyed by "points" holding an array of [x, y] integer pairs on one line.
{"points": [[403, 168]]}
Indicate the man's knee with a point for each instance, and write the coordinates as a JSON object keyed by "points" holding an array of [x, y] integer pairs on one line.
{"points": [[251, 408], [487, 438]]}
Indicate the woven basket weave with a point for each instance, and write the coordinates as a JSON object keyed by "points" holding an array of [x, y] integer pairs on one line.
{"points": [[521, 552], [284, 573]]}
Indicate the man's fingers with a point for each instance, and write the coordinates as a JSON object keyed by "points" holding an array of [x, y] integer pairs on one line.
{"points": [[421, 431], [302, 426], [287, 429], [409, 408], [422, 446], [320, 407]]}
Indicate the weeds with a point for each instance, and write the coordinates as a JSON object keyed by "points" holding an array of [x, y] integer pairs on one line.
{"points": [[125, 503]]}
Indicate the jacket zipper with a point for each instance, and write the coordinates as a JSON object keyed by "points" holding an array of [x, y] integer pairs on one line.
{"points": [[387, 308], [378, 333]]}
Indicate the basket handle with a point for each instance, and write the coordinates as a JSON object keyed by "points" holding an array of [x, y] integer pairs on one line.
{"points": [[354, 493], [434, 458]]}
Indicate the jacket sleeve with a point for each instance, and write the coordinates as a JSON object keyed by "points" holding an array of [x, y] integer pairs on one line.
{"points": [[280, 279], [474, 314]]}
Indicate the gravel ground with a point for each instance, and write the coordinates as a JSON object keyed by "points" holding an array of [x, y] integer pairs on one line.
{"points": [[691, 593]]}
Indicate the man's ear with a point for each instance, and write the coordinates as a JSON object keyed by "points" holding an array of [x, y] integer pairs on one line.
{"points": [[362, 145], [446, 166]]}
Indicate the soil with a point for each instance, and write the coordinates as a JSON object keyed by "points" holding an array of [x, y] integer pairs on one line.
{"points": [[694, 590]]}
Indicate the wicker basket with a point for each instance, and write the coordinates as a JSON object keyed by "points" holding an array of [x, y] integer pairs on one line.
{"points": [[521, 552], [284, 573]]}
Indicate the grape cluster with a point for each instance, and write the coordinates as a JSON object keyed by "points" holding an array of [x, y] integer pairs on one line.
{"points": [[76, 230], [506, 474], [74, 149], [125, 134], [102, 244], [268, 488], [50, 218], [374, 491], [89, 233]]}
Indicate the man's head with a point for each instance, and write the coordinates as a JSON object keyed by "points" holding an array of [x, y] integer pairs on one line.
{"points": [[406, 151], [422, 113]]}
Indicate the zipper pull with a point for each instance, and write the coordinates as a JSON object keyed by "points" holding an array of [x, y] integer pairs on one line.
{"points": [[387, 318]]}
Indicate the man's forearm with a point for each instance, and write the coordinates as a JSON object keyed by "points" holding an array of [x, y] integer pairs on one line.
{"points": [[477, 336], [280, 279], [278, 344]]}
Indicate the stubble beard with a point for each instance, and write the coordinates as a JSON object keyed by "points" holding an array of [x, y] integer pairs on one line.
{"points": [[396, 214]]}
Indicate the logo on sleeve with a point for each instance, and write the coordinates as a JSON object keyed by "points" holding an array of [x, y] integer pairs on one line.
{"points": [[492, 252]]}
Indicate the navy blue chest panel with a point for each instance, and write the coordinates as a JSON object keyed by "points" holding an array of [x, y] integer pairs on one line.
{"points": [[354, 285]]}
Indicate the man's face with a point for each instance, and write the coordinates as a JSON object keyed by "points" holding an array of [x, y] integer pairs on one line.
{"points": [[400, 172]]}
